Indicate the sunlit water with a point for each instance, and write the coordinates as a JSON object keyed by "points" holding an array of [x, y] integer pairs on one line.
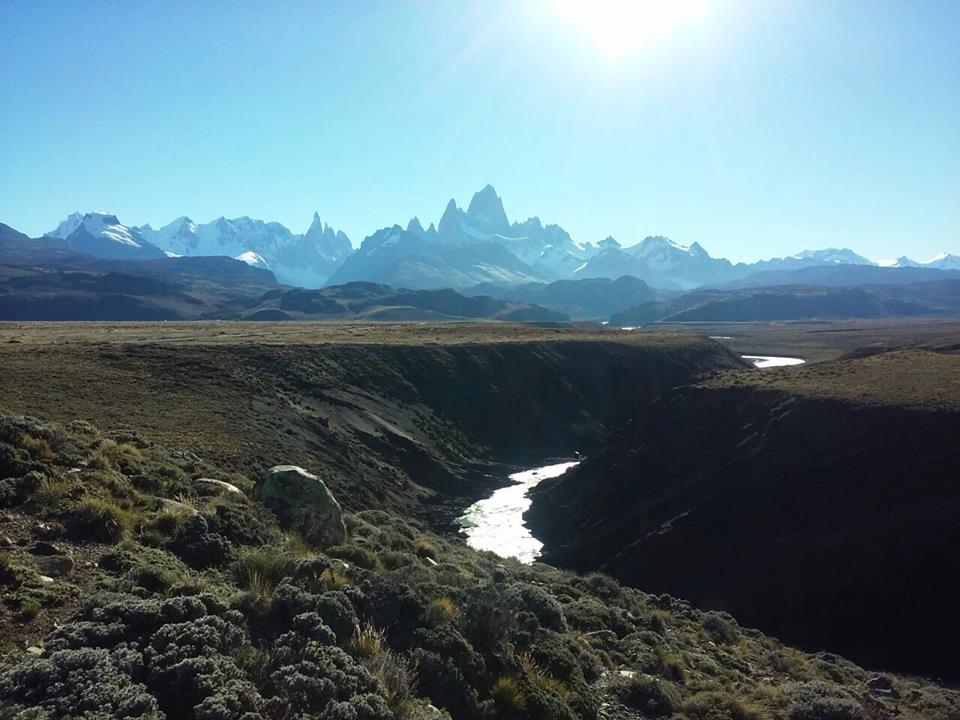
{"points": [[496, 523], [769, 361]]}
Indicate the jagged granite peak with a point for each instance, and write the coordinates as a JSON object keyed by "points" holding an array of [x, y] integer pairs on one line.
{"points": [[487, 207], [67, 226], [414, 226], [449, 226], [608, 243], [697, 250]]}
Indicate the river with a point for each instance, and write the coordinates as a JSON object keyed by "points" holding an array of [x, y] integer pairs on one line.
{"points": [[769, 361], [496, 523]]}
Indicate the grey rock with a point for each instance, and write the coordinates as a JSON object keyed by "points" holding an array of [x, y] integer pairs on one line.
{"points": [[55, 565], [882, 686], [42, 547], [26, 425], [301, 501]]}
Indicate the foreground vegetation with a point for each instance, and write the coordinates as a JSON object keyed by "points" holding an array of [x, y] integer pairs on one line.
{"points": [[176, 597]]}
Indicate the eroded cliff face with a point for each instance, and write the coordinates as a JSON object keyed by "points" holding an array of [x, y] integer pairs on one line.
{"points": [[832, 524], [387, 426]]}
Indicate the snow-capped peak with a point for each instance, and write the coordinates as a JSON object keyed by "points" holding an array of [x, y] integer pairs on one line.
{"points": [[253, 259], [105, 224], [840, 256], [659, 243]]}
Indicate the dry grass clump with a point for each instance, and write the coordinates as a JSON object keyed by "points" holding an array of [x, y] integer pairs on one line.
{"points": [[446, 609], [507, 694], [98, 519], [259, 572], [540, 677], [427, 549], [367, 641], [38, 447]]}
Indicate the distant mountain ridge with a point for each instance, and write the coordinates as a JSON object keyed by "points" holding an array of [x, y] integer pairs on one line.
{"points": [[305, 260], [466, 248]]}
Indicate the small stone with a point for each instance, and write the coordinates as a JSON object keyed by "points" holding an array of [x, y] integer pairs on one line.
{"points": [[220, 484], [42, 547], [45, 579], [34, 650], [47, 530], [882, 686], [55, 565]]}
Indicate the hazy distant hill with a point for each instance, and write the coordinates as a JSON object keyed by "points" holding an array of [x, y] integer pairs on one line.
{"points": [[798, 302], [372, 301], [591, 298]]}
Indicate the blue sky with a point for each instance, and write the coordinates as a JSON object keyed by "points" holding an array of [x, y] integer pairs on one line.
{"points": [[757, 128]]}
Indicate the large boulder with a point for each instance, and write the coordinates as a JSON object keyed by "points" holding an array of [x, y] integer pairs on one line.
{"points": [[302, 502]]}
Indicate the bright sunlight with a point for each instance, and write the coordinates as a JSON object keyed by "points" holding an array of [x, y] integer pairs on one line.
{"points": [[621, 27]]}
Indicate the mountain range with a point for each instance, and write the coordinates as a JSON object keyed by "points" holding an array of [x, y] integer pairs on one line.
{"points": [[466, 248], [305, 260]]}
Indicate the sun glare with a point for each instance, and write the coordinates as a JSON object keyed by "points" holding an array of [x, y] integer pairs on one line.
{"points": [[620, 27]]}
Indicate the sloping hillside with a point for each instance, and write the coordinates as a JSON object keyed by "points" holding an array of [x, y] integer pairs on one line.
{"points": [[121, 602], [820, 503], [408, 422]]}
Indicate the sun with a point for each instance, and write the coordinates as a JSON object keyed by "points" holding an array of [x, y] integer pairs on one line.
{"points": [[621, 27]]}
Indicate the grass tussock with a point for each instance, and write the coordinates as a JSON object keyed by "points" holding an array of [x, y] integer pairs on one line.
{"points": [[96, 519], [507, 694]]}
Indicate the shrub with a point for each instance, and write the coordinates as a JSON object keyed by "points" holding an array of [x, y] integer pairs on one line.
{"points": [[820, 701], [241, 524], [447, 642], [359, 556], [719, 706], [15, 490], [541, 603], [98, 520], [650, 696], [70, 683], [440, 680], [721, 628], [198, 546]]}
